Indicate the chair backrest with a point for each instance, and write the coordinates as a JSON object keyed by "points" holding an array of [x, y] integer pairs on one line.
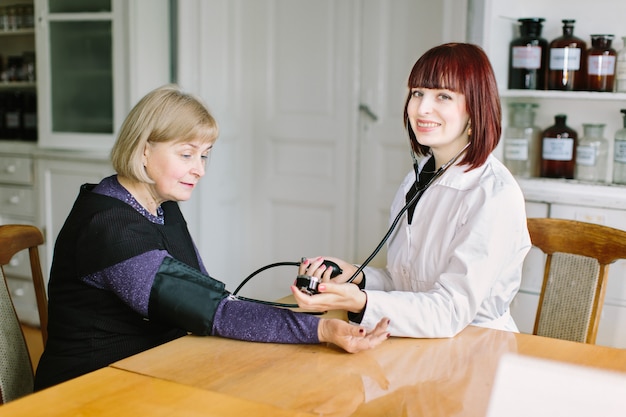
{"points": [[16, 372], [575, 275]]}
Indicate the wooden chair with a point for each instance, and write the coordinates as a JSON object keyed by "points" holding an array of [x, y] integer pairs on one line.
{"points": [[575, 275], [16, 371]]}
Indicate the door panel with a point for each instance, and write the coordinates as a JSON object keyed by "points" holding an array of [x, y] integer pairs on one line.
{"points": [[395, 34]]}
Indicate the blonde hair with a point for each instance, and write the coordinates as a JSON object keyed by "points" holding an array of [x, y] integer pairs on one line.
{"points": [[166, 114]]}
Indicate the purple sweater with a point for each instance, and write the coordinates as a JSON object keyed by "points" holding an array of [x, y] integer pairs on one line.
{"points": [[132, 281]]}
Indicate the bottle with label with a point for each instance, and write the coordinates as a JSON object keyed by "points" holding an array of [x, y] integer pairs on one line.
{"points": [[29, 116], [528, 56], [567, 60], [558, 150], [620, 69], [592, 154], [601, 64], [619, 156], [12, 123], [521, 141]]}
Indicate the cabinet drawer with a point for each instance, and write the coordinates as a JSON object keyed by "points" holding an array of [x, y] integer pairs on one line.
{"points": [[17, 201], [24, 300], [19, 265], [16, 170]]}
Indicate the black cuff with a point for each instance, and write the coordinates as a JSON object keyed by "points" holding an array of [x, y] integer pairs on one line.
{"points": [[361, 284], [184, 297], [358, 317]]}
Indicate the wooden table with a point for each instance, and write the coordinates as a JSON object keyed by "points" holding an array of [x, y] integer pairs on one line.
{"points": [[435, 377], [113, 392]]}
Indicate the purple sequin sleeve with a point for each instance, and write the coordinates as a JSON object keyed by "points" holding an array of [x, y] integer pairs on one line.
{"points": [[130, 280], [243, 320]]}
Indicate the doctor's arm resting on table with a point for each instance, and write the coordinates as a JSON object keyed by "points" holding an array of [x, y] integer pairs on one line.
{"points": [[126, 275], [455, 257]]}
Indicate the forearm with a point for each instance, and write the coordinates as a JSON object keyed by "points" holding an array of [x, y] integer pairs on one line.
{"points": [[242, 320]]}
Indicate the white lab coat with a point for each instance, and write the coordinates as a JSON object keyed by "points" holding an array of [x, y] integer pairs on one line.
{"points": [[459, 262]]}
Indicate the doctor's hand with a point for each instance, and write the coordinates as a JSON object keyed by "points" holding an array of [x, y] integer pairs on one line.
{"points": [[315, 267], [332, 296]]}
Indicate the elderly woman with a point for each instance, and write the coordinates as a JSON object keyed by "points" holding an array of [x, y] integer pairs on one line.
{"points": [[126, 275]]}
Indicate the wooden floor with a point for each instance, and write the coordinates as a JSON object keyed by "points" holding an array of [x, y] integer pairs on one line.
{"points": [[34, 342]]}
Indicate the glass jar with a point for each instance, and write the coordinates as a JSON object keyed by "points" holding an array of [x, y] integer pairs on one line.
{"points": [[521, 141], [619, 156], [11, 13], [4, 18], [567, 60], [558, 150], [528, 55], [592, 154], [28, 18], [620, 69], [601, 64]]}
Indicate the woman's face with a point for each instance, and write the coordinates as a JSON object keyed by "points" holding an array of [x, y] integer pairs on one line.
{"points": [[439, 120], [175, 168]]}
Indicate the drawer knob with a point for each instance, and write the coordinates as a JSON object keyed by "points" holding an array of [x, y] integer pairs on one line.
{"points": [[19, 292], [10, 169], [14, 199]]}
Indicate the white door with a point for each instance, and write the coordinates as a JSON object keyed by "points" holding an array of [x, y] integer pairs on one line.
{"points": [[299, 170], [394, 35]]}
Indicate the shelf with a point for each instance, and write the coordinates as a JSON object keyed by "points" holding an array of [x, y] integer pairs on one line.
{"points": [[573, 95], [13, 85], [17, 32], [549, 190]]}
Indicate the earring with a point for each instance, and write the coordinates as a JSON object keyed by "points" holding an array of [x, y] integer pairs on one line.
{"points": [[469, 131]]}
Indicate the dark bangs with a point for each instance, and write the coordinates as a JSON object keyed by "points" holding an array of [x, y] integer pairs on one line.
{"points": [[438, 69]]}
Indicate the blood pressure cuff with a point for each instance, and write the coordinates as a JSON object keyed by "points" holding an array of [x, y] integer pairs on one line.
{"points": [[184, 297]]}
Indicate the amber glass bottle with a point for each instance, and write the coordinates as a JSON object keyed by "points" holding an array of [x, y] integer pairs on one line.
{"points": [[567, 60], [601, 64], [558, 150], [528, 56]]}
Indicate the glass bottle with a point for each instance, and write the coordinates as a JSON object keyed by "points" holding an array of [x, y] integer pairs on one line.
{"points": [[567, 60], [558, 150], [29, 116], [601, 64], [592, 154], [620, 69], [12, 116], [619, 156], [528, 55], [521, 141]]}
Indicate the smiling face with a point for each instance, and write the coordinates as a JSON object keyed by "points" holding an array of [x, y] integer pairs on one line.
{"points": [[175, 168], [440, 120]]}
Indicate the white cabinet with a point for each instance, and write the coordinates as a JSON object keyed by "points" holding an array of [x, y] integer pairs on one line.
{"points": [[604, 204], [17, 206], [95, 60], [596, 204], [59, 176]]}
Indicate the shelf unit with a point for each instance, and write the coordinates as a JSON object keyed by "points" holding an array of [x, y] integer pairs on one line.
{"points": [[16, 95], [592, 202], [499, 27]]}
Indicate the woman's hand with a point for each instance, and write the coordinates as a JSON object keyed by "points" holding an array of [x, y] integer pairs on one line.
{"points": [[332, 297], [315, 267], [352, 338]]}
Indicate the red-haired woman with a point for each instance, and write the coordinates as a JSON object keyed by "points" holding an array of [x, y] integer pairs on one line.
{"points": [[456, 255]]}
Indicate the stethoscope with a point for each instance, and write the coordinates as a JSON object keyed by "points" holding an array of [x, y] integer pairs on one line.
{"points": [[413, 200]]}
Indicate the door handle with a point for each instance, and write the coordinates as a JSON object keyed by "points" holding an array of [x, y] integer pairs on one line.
{"points": [[366, 109]]}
